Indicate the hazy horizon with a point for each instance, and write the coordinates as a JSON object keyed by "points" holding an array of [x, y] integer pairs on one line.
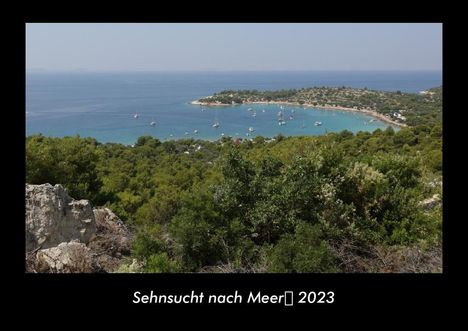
{"points": [[40, 70], [232, 47]]}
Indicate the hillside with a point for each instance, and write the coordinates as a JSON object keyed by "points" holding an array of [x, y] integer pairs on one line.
{"points": [[342, 202]]}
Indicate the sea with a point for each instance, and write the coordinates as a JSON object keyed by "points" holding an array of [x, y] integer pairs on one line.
{"points": [[120, 107]]}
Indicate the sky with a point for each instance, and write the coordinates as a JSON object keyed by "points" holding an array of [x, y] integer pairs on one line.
{"points": [[232, 47]]}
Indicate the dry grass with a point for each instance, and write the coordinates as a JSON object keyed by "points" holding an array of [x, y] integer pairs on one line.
{"points": [[388, 259]]}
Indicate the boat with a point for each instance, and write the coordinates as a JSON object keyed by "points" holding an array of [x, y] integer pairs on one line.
{"points": [[153, 123], [281, 120], [186, 133], [251, 129], [254, 114], [135, 116], [263, 110], [249, 109], [291, 118], [195, 131], [318, 123], [222, 134], [216, 123]]}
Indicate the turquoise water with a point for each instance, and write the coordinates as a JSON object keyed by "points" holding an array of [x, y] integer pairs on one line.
{"points": [[102, 105]]}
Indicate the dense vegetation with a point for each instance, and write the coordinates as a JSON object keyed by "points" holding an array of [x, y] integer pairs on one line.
{"points": [[342, 202], [416, 109]]}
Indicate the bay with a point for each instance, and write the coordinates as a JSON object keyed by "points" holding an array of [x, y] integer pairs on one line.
{"points": [[103, 105]]}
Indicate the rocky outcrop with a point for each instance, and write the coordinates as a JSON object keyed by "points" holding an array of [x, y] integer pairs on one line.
{"points": [[52, 217], [64, 235]]}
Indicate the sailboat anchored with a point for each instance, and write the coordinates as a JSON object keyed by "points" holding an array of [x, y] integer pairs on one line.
{"points": [[281, 120], [216, 123]]}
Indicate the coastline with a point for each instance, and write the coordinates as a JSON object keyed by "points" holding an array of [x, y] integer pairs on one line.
{"points": [[368, 112]]}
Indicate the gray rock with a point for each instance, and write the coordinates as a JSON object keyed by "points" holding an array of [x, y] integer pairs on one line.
{"points": [[71, 257], [53, 217], [64, 235]]}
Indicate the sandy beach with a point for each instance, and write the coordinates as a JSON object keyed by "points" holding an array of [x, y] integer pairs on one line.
{"points": [[369, 112]]}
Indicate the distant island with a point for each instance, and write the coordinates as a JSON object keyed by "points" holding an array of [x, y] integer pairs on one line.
{"points": [[397, 108]]}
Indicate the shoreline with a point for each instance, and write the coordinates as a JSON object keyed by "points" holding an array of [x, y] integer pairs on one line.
{"points": [[368, 112]]}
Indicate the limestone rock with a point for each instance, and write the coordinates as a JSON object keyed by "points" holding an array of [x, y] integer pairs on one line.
{"points": [[71, 257], [53, 217], [64, 235]]}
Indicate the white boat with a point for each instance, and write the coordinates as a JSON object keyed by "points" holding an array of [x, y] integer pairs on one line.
{"points": [[251, 129], [281, 120], [254, 114], [216, 122], [222, 134], [153, 123], [135, 116], [318, 123], [263, 110], [195, 131], [249, 109], [186, 133]]}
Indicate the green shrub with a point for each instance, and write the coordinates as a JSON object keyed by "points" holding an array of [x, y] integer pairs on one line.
{"points": [[304, 251], [160, 263]]}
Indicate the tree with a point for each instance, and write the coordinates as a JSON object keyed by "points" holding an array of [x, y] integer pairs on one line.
{"points": [[70, 161]]}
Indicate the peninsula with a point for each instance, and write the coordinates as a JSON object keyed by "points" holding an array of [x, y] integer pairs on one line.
{"points": [[397, 108]]}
